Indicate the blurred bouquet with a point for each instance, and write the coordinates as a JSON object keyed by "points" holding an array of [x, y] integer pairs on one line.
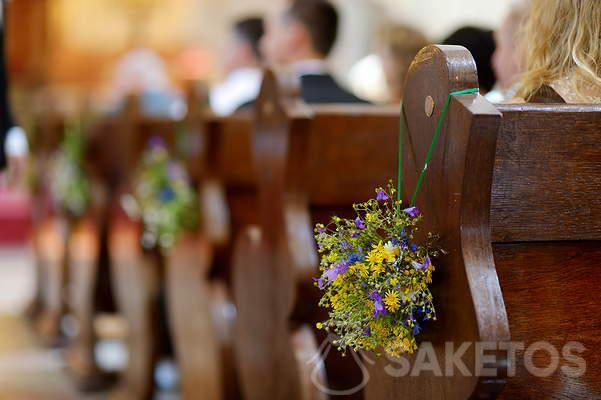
{"points": [[162, 199], [69, 186], [375, 278]]}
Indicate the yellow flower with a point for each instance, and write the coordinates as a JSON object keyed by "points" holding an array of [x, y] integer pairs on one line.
{"points": [[394, 281], [370, 217], [361, 269], [374, 257], [319, 325], [377, 268], [392, 301]]}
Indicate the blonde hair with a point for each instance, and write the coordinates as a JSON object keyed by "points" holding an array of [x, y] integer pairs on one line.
{"points": [[401, 43], [562, 41]]}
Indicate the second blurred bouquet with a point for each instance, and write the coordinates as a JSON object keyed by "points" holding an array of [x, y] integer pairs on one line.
{"points": [[162, 199], [69, 185]]}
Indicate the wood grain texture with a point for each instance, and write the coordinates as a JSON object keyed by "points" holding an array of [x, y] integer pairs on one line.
{"points": [[549, 291], [549, 156]]}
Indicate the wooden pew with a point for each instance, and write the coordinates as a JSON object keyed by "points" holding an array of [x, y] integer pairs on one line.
{"points": [[514, 192], [311, 162]]}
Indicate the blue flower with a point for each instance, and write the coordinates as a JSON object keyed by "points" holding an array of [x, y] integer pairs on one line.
{"points": [[413, 212], [367, 331], [166, 194], [416, 329], [382, 196], [413, 247], [354, 258], [359, 223]]}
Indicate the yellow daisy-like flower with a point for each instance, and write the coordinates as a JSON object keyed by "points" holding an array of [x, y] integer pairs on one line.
{"points": [[394, 281], [361, 269], [377, 269], [391, 300], [374, 257]]}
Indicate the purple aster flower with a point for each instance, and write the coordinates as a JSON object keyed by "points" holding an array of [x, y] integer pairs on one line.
{"points": [[413, 212], [176, 171], [336, 270], [382, 196], [417, 265], [156, 142], [416, 329], [427, 262], [359, 223], [320, 283], [379, 308]]}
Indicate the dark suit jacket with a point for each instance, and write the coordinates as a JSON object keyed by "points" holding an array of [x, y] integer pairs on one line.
{"points": [[323, 88], [6, 121]]}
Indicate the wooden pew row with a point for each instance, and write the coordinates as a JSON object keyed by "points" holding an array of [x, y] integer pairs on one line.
{"points": [[514, 192], [269, 269], [311, 162]]}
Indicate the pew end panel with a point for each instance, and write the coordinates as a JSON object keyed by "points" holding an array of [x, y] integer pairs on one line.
{"points": [[455, 202]]}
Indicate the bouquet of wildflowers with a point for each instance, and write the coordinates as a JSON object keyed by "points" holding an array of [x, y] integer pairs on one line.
{"points": [[375, 279], [69, 186], [163, 198]]}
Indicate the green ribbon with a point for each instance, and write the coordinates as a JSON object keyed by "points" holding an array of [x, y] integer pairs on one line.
{"points": [[430, 149]]}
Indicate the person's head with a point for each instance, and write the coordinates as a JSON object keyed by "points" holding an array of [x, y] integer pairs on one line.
{"points": [[399, 44], [481, 43], [562, 40], [507, 59], [242, 48], [307, 29]]}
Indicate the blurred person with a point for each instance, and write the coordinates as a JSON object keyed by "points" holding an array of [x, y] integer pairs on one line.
{"points": [[242, 63], [142, 72], [481, 43], [13, 141], [301, 39], [563, 47], [399, 44], [507, 60]]}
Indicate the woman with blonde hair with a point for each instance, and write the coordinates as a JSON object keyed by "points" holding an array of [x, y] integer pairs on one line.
{"points": [[563, 50]]}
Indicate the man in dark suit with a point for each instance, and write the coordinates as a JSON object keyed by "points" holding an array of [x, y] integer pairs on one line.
{"points": [[301, 39], [6, 121]]}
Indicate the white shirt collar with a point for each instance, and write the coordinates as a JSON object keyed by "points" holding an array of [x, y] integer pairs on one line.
{"points": [[240, 87]]}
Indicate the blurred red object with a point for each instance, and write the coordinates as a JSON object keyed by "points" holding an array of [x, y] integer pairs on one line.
{"points": [[15, 216]]}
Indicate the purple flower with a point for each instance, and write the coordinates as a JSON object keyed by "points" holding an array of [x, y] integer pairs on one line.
{"points": [[427, 262], [156, 142], [379, 308], [413, 247], [359, 223], [320, 282], [413, 212], [425, 265], [355, 234], [416, 329], [176, 171], [382, 196], [367, 331], [336, 270], [345, 245]]}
